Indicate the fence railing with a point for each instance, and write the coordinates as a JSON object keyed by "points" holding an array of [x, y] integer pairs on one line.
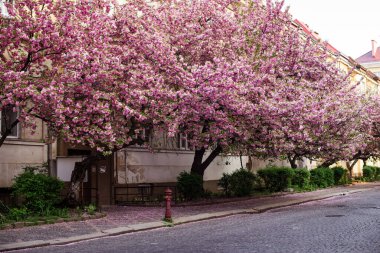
{"points": [[143, 194]]}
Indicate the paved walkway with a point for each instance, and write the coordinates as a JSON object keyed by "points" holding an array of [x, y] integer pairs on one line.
{"points": [[124, 219]]}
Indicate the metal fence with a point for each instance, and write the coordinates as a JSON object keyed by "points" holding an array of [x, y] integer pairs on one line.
{"points": [[143, 194]]}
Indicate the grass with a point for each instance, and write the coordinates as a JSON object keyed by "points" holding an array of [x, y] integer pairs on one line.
{"points": [[168, 222], [50, 217]]}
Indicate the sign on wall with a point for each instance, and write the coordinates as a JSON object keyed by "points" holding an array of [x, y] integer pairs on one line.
{"points": [[65, 166]]}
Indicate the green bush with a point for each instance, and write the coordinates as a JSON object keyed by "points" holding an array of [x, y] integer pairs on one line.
{"points": [[190, 185], [369, 173], [3, 219], [39, 192], [224, 182], [59, 212], [377, 172], [371, 176], [340, 175], [90, 209], [18, 214], [276, 178], [242, 182], [322, 177], [301, 178], [239, 183]]}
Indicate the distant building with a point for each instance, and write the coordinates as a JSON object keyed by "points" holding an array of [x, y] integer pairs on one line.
{"points": [[365, 71], [371, 59]]}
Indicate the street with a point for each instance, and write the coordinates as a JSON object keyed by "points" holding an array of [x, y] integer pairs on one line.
{"points": [[341, 224]]}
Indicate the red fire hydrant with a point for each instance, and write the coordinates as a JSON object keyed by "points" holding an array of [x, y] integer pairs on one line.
{"points": [[168, 198]]}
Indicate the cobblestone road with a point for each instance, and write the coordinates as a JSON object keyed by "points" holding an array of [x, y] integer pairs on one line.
{"points": [[341, 224], [118, 216]]}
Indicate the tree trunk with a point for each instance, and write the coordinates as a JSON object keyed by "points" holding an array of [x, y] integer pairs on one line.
{"points": [[250, 163], [241, 160], [327, 163], [350, 167], [365, 162], [77, 177], [292, 161], [199, 167]]}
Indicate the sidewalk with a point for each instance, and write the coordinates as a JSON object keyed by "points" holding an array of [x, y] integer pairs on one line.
{"points": [[126, 219]]}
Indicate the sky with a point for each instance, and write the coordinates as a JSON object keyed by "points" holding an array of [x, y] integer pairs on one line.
{"points": [[349, 26]]}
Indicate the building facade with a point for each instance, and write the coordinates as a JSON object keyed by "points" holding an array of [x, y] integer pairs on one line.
{"points": [[364, 71], [371, 59], [135, 171]]}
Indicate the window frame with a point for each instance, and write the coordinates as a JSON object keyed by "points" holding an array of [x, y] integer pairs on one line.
{"points": [[183, 137], [17, 136]]}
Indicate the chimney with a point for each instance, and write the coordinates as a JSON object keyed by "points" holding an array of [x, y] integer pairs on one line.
{"points": [[374, 48]]}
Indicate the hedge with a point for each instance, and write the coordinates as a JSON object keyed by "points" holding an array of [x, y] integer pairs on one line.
{"points": [[301, 177], [190, 185], [322, 177], [340, 175], [239, 183], [276, 178]]}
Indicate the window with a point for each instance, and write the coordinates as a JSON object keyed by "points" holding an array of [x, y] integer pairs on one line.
{"points": [[182, 142], [3, 8], [8, 116], [142, 135]]}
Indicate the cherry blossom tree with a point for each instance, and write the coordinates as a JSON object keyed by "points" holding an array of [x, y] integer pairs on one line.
{"points": [[369, 148], [210, 105], [92, 70], [37, 41], [234, 77], [310, 108], [89, 69], [254, 83]]}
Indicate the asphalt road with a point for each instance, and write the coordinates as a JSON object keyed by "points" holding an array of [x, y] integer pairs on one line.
{"points": [[341, 224]]}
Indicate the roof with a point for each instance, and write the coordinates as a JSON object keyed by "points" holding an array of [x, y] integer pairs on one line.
{"points": [[367, 57], [314, 35], [354, 63]]}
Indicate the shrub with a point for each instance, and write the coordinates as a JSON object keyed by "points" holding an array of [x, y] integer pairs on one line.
{"points": [[3, 219], [90, 209], [301, 178], [369, 173], [60, 212], [340, 175], [239, 183], [39, 192], [224, 182], [322, 177], [242, 182], [276, 178], [377, 172], [190, 185], [18, 214], [371, 176], [207, 194]]}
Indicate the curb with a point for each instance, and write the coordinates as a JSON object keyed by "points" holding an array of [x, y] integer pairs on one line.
{"points": [[299, 202], [154, 225]]}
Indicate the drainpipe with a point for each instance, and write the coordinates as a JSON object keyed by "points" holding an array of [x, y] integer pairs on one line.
{"points": [[50, 154]]}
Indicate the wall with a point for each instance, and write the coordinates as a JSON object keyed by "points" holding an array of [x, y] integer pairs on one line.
{"points": [[17, 153], [141, 166], [14, 155]]}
